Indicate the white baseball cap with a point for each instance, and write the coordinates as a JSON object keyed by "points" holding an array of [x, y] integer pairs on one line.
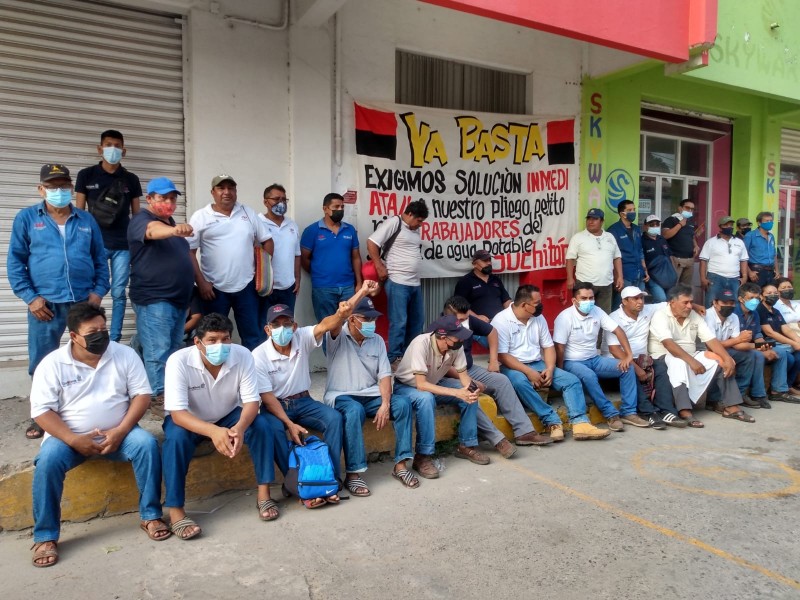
{"points": [[652, 218], [631, 291]]}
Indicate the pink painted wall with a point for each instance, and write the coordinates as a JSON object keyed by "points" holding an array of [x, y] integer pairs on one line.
{"points": [[720, 184]]}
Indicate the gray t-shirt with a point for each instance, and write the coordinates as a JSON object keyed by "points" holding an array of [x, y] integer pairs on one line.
{"points": [[355, 370], [404, 256]]}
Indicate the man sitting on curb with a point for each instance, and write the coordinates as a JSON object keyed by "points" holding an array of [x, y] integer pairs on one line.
{"points": [[360, 386], [575, 334], [528, 359], [689, 375], [419, 378], [88, 396], [495, 384], [211, 392]]}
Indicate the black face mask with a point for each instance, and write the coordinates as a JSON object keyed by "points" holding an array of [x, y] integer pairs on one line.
{"points": [[771, 300], [787, 294], [97, 342], [726, 230], [746, 230], [726, 311], [456, 346], [538, 310], [487, 270], [337, 216]]}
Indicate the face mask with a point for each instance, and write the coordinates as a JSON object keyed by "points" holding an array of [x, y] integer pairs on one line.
{"points": [[456, 346], [282, 335], [767, 225], [726, 311], [654, 230], [279, 209], [217, 353], [97, 342], [746, 230], [586, 306], [538, 310], [726, 230], [686, 214], [631, 216], [787, 294], [771, 300], [487, 270], [112, 155], [337, 216], [163, 209], [58, 198], [752, 304], [368, 329]]}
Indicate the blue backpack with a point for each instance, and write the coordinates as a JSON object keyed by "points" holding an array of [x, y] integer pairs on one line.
{"points": [[310, 473]]}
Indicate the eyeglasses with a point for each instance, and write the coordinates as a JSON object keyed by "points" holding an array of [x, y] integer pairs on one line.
{"points": [[277, 198], [63, 188]]}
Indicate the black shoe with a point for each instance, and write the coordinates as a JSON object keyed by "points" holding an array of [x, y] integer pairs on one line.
{"points": [[784, 397], [764, 403], [674, 420], [656, 422], [750, 402]]}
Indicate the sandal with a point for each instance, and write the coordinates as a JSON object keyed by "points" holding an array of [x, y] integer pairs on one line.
{"points": [[739, 415], [43, 550], [692, 422], [34, 432], [180, 527], [407, 478], [264, 506], [335, 499], [313, 503], [357, 487], [160, 527]]}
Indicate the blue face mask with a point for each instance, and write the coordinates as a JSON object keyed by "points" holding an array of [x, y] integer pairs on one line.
{"points": [[112, 155], [686, 214], [217, 353], [654, 230], [752, 304], [282, 335], [631, 216], [586, 306], [279, 209], [368, 329], [767, 225], [58, 198]]}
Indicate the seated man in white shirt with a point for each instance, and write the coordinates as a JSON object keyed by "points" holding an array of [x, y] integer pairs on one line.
{"points": [[575, 334], [693, 378], [211, 392], [88, 397], [282, 364]]}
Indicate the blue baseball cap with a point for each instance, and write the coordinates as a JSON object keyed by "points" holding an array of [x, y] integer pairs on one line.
{"points": [[595, 213], [161, 185]]}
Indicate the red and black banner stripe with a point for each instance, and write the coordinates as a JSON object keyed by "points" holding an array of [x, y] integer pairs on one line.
{"points": [[561, 142], [376, 133]]}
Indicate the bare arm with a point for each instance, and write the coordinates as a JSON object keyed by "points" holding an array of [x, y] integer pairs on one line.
{"points": [[80, 202], [305, 259], [158, 230], [269, 246], [423, 385], [559, 349], [205, 288], [494, 365], [334, 322], [355, 258], [296, 274], [374, 252], [571, 273], [672, 231], [135, 205]]}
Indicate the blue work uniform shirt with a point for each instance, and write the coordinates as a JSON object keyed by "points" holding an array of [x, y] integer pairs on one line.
{"points": [[331, 254], [760, 250], [630, 247]]}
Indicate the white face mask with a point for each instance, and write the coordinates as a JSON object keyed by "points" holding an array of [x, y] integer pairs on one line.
{"points": [[112, 155]]}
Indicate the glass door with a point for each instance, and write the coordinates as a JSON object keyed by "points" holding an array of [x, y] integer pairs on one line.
{"points": [[788, 238]]}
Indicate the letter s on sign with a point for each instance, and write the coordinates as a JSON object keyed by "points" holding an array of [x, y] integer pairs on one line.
{"points": [[771, 169]]}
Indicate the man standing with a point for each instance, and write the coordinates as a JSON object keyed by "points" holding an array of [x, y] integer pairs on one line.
{"points": [[89, 396], [397, 242], [483, 290], [528, 358], [329, 252], [594, 257], [629, 241], [286, 257], [762, 264], [743, 227], [658, 258], [162, 281], [575, 334], [723, 262], [679, 231], [226, 232], [55, 259], [111, 193]]}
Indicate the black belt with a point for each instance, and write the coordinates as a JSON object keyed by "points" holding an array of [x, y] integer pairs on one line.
{"points": [[298, 395], [761, 267]]}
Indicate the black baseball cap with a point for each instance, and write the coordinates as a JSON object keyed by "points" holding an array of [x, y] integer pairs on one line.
{"points": [[481, 255], [52, 171], [278, 310], [450, 326]]}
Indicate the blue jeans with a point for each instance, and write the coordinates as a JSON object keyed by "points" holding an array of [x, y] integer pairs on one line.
{"points": [[286, 297], [406, 316], [591, 370], [120, 269], [792, 365], [468, 425], [355, 410], [423, 405], [265, 438], [245, 311], [326, 300], [750, 372], [718, 284], [45, 336], [315, 415], [159, 329], [657, 293], [55, 458], [567, 383]]}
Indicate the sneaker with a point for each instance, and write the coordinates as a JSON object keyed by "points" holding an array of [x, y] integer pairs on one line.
{"points": [[615, 424], [656, 422], [764, 403], [472, 454], [505, 448], [750, 402], [556, 432], [396, 363], [534, 439], [634, 420], [784, 397], [587, 431], [674, 421]]}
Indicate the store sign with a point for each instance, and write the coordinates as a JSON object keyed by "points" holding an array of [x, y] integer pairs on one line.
{"points": [[503, 183]]}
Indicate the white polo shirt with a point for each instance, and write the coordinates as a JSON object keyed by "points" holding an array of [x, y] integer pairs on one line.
{"points": [[664, 326], [637, 330], [579, 332], [226, 245], [724, 256], [594, 256], [790, 314], [523, 341], [723, 330], [286, 375], [286, 238], [422, 357], [188, 385], [88, 398]]}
